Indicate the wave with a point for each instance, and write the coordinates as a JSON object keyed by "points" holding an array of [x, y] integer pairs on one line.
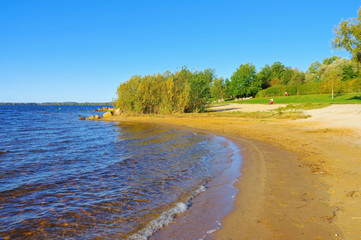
{"points": [[166, 217]]}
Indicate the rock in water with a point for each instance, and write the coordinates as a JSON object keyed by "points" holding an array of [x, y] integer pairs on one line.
{"points": [[91, 118], [96, 117], [82, 118]]}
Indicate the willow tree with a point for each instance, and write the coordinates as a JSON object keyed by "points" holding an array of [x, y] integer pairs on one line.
{"points": [[183, 91]]}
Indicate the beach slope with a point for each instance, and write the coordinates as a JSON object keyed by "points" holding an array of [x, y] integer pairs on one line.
{"points": [[300, 178]]}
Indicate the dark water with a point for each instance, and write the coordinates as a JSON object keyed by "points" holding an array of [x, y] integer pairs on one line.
{"points": [[61, 178]]}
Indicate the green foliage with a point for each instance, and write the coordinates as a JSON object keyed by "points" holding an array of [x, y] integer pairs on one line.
{"points": [[310, 77], [298, 78], [182, 91], [330, 60], [217, 89], [313, 100], [244, 81], [278, 74], [340, 72], [348, 36], [277, 69], [228, 88], [200, 84], [314, 67], [265, 76], [348, 72], [286, 75]]}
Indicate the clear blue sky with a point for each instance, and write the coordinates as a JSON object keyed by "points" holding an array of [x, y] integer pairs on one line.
{"points": [[81, 50]]}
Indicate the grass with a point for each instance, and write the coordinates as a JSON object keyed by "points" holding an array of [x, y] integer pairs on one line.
{"points": [[275, 114], [339, 98]]}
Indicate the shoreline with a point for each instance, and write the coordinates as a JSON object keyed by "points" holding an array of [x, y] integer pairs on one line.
{"points": [[206, 211], [286, 190]]}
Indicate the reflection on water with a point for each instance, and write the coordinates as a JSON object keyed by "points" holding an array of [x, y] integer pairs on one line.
{"points": [[64, 178]]}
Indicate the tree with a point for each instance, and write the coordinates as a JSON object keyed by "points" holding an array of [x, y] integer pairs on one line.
{"points": [[217, 89], [314, 67], [183, 91], [200, 85], [277, 70], [298, 78], [286, 75], [228, 88], [348, 72], [265, 76], [244, 81], [330, 60], [348, 36]]}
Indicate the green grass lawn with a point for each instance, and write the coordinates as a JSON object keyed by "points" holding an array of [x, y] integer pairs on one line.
{"points": [[342, 98]]}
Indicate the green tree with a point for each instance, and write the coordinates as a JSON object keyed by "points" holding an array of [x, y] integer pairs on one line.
{"points": [[183, 91], [244, 81], [228, 88], [287, 75], [298, 78], [314, 67], [200, 84], [217, 89], [348, 36], [265, 76], [277, 70], [330, 60], [348, 72]]}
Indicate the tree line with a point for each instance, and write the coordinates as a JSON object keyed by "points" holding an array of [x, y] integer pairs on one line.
{"points": [[191, 91]]}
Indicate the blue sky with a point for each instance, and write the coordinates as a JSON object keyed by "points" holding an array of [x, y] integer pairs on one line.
{"points": [[81, 50]]}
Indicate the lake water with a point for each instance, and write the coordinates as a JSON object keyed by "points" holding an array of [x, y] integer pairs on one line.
{"points": [[62, 178]]}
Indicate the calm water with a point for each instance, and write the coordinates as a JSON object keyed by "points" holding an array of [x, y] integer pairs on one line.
{"points": [[61, 178]]}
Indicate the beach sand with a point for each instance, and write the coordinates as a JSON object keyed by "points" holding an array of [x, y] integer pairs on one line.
{"points": [[300, 178]]}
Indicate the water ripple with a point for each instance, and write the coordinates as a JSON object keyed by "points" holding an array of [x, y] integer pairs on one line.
{"points": [[61, 178]]}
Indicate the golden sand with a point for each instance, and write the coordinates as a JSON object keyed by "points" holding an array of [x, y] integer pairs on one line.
{"points": [[299, 181]]}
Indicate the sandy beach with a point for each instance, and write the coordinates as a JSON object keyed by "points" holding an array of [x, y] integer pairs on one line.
{"points": [[300, 178]]}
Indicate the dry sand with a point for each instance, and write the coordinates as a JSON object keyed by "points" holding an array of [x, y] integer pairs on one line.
{"points": [[336, 116], [300, 179], [233, 107]]}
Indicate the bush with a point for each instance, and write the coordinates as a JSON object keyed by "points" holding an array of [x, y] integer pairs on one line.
{"points": [[183, 91]]}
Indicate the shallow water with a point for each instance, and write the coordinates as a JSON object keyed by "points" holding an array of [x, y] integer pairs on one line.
{"points": [[64, 178]]}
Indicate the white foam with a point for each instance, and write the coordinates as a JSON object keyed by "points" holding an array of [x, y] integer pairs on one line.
{"points": [[212, 230], [165, 218]]}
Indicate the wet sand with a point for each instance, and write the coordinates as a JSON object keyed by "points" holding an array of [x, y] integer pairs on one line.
{"points": [[300, 180]]}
